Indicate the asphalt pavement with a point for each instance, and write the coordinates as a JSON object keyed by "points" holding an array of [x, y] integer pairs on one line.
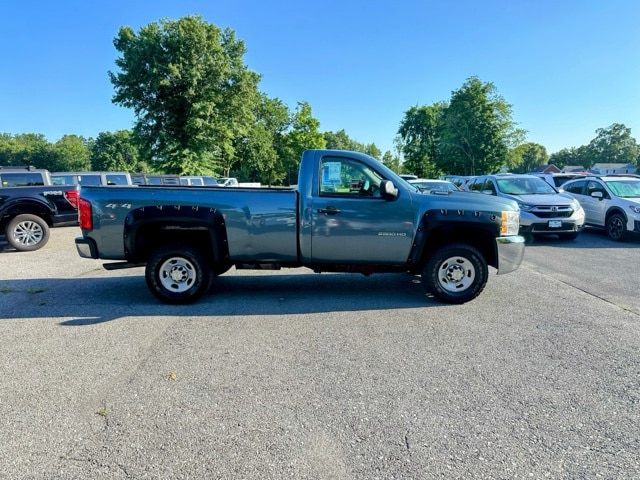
{"points": [[292, 374]]}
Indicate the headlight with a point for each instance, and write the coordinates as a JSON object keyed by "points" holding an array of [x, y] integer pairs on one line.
{"points": [[576, 205], [510, 223], [525, 207], [634, 208]]}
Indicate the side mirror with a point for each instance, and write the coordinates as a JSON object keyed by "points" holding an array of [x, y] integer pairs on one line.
{"points": [[597, 195], [388, 190]]}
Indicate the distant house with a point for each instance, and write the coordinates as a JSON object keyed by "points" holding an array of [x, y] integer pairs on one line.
{"points": [[609, 168], [546, 169], [573, 169]]}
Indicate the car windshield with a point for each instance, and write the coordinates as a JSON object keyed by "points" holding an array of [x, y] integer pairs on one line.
{"points": [[524, 186], [625, 188]]}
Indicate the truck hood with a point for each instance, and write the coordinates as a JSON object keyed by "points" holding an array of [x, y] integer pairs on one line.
{"points": [[543, 199], [468, 201]]}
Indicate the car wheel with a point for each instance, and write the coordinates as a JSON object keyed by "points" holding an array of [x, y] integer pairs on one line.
{"points": [[616, 227], [27, 232], [455, 273], [178, 274], [568, 236]]}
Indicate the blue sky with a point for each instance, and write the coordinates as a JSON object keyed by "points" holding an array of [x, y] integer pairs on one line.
{"points": [[567, 67]]}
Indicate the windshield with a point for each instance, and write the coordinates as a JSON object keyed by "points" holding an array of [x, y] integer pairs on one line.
{"points": [[625, 188], [524, 186]]}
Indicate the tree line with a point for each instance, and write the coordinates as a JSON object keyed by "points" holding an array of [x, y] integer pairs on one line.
{"points": [[198, 111]]}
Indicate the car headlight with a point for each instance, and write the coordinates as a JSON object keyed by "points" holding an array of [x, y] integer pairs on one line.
{"points": [[510, 223], [575, 205], [525, 207], [635, 208]]}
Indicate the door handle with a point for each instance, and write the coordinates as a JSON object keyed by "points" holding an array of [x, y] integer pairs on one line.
{"points": [[329, 210]]}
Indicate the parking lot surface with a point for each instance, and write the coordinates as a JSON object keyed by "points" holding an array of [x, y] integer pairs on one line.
{"points": [[291, 374]]}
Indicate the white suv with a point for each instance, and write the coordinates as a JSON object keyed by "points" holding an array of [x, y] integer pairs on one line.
{"points": [[611, 202]]}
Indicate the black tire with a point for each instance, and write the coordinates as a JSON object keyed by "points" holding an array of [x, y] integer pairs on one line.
{"points": [[178, 274], [455, 273], [27, 232], [617, 227], [568, 236]]}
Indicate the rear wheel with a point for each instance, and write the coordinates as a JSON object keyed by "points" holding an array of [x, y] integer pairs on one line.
{"points": [[455, 273], [178, 274], [27, 232], [616, 227]]}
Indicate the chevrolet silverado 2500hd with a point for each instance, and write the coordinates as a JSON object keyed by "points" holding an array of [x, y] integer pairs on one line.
{"points": [[348, 213]]}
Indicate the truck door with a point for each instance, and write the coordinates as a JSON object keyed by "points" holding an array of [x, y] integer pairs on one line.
{"points": [[352, 223]]}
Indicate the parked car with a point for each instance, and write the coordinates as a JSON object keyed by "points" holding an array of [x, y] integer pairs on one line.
{"points": [[192, 181], [155, 179], [91, 178], [458, 180], [543, 209], [408, 176], [609, 202], [558, 179], [429, 185]]}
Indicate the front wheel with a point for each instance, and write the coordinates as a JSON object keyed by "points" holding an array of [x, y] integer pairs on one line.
{"points": [[27, 232], [616, 227], [178, 274], [455, 273]]}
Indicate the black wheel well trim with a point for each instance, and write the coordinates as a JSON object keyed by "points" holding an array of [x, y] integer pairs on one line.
{"points": [[613, 211], [148, 228], [32, 207], [435, 231]]}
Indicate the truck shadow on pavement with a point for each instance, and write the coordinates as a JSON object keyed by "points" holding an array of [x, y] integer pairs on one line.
{"points": [[89, 301]]}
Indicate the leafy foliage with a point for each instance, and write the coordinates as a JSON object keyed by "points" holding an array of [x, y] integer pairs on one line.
{"points": [[190, 90], [614, 145], [420, 132], [115, 152], [526, 157]]}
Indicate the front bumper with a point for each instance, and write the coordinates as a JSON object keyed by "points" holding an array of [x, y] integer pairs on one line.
{"points": [[544, 228], [510, 253]]}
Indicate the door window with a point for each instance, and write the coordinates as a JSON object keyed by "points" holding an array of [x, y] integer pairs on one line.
{"points": [[348, 177]]}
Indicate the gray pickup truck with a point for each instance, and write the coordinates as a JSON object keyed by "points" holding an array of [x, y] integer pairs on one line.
{"points": [[348, 213]]}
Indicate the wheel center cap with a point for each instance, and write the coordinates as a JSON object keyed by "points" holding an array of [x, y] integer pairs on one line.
{"points": [[178, 274], [455, 273]]}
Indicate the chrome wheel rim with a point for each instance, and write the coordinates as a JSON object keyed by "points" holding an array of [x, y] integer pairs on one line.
{"points": [[28, 233], [456, 274], [177, 274]]}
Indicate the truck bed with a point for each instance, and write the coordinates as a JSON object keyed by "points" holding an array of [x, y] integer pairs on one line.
{"points": [[261, 223]]}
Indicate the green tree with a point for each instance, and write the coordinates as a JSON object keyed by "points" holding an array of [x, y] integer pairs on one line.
{"points": [[259, 150], [70, 153], [528, 156], [25, 149], [341, 141], [477, 130], [191, 92], [392, 161], [579, 156], [613, 144], [419, 132], [304, 134], [115, 151]]}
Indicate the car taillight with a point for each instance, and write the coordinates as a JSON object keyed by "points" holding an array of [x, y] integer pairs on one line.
{"points": [[72, 197], [85, 218]]}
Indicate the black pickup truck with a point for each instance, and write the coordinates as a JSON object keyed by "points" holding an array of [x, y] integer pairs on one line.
{"points": [[30, 205]]}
